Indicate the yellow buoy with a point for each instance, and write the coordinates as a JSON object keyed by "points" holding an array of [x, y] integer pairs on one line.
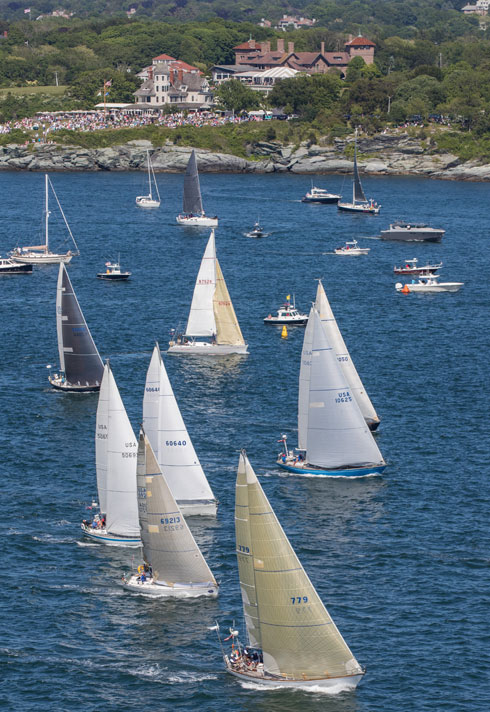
{"points": [[284, 332]]}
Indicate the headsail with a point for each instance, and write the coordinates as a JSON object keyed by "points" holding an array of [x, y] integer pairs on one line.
{"points": [[192, 202], [101, 439], [227, 328], [79, 358], [337, 432], [201, 320], [298, 637], [304, 387], [359, 196], [168, 545], [166, 431], [344, 359]]}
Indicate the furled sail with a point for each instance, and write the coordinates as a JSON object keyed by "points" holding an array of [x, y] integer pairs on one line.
{"points": [[337, 432], [201, 320], [359, 196], [121, 504], [336, 341], [192, 202], [79, 358], [166, 431], [101, 439], [227, 328], [168, 545], [297, 635]]}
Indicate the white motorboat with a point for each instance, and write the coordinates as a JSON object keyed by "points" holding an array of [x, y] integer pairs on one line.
{"points": [[41, 254], [412, 232], [320, 195], [292, 639], [256, 231], [10, 266], [114, 273], [116, 523], [359, 204], [352, 249], [411, 267], [211, 315], [173, 563], [148, 201], [428, 285], [287, 314], [193, 214]]}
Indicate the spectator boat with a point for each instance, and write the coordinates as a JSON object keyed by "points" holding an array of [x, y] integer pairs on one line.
{"points": [[352, 249], [412, 232], [193, 214], [428, 285], [411, 268], [359, 204], [319, 195], [287, 314], [148, 201], [10, 266], [257, 230], [113, 272]]}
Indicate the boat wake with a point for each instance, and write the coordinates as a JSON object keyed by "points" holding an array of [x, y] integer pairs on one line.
{"points": [[318, 689], [186, 677]]}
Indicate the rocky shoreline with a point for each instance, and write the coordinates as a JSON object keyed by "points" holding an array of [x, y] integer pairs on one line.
{"points": [[384, 154]]}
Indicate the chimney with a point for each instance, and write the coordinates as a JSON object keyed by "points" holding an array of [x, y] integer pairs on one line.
{"points": [[171, 75], [280, 45], [290, 47], [322, 48], [180, 75], [265, 47], [150, 72]]}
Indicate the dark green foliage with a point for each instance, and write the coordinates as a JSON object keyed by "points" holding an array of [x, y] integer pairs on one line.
{"points": [[234, 95]]}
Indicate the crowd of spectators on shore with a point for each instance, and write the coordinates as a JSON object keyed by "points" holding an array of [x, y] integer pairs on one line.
{"points": [[46, 123]]}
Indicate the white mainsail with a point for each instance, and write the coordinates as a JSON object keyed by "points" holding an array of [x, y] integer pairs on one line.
{"points": [[337, 434], [298, 637], [167, 433], [201, 320], [344, 359], [116, 451], [168, 545]]}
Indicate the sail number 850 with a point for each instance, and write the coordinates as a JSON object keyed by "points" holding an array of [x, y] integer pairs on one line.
{"points": [[299, 599]]}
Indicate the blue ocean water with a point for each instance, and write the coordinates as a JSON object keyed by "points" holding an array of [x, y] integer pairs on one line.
{"points": [[401, 561]]}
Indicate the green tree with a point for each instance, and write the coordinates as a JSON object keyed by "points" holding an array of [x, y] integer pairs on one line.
{"points": [[234, 95]]}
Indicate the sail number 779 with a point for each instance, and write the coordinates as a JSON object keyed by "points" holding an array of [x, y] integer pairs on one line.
{"points": [[299, 599]]}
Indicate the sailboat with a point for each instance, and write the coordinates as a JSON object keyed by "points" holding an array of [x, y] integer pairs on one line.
{"points": [[336, 341], [173, 563], [41, 254], [81, 368], [360, 204], [292, 640], [333, 437], [192, 210], [173, 448], [211, 315], [148, 201], [117, 523]]}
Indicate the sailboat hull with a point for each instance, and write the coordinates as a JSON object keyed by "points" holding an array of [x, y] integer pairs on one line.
{"points": [[348, 682], [197, 221], [148, 588], [198, 508], [42, 259], [307, 470], [205, 348], [144, 201], [59, 385], [103, 537], [359, 208]]}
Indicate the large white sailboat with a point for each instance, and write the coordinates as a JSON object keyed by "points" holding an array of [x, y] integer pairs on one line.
{"points": [[41, 254], [292, 640], [193, 214], [173, 448], [148, 201], [344, 359], [115, 461], [81, 368], [333, 437], [211, 315], [173, 563]]}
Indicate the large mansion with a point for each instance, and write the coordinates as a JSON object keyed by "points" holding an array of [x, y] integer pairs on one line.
{"points": [[171, 81]]}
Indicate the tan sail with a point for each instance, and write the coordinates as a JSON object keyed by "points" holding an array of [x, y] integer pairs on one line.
{"points": [[245, 555], [299, 640], [227, 328]]}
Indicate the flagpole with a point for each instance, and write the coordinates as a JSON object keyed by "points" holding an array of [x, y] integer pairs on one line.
{"points": [[104, 99]]}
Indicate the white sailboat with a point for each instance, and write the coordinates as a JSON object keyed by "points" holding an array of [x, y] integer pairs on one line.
{"points": [[336, 341], [193, 214], [148, 201], [359, 204], [173, 448], [115, 461], [211, 315], [333, 437], [292, 640], [174, 565], [41, 254], [81, 368]]}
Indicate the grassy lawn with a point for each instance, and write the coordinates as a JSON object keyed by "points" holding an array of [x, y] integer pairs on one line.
{"points": [[32, 91]]}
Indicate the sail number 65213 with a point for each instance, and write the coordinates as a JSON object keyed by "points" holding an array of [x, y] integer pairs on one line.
{"points": [[299, 599]]}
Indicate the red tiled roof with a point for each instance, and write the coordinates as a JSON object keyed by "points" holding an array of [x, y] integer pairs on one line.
{"points": [[179, 64], [164, 57], [357, 41], [337, 57], [246, 45]]}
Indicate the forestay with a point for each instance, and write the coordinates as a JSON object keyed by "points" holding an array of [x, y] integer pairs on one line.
{"points": [[298, 637], [201, 320], [168, 545], [337, 433], [192, 202], [167, 433], [79, 358], [227, 328]]}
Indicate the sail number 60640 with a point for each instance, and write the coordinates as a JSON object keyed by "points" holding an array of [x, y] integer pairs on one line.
{"points": [[172, 443]]}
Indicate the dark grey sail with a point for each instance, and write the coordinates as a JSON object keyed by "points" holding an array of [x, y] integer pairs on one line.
{"points": [[359, 196], [79, 359], [192, 202]]}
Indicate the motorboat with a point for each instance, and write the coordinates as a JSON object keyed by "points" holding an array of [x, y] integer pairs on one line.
{"points": [[113, 272], [352, 249], [193, 214], [412, 232], [359, 204], [287, 314], [256, 231], [148, 201], [428, 285], [411, 267], [319, 195], [10, 266]]}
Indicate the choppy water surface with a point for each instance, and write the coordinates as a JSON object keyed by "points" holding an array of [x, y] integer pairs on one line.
{"points": [[401, 561]]}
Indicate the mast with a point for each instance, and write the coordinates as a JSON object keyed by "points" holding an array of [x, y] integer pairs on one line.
{"points": [[46, 212], [149, 173]]}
